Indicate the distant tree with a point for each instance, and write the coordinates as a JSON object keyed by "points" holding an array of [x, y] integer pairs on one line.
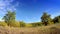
{"points": [[35, 24], [9, 17], [56, 19], [46, 19], [22, 24]]}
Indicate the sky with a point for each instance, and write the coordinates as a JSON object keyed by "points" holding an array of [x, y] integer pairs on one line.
{"points": [[30, 10]]}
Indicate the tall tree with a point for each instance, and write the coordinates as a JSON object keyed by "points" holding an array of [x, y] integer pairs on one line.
{"points": [[45, 18], [56, 19], [9, 17]]}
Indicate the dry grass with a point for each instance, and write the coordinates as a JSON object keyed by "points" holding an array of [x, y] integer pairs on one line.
{"points": [[51, 29]]}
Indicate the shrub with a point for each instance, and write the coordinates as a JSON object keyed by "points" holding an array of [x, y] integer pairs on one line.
{"points": [[51, 23], [3, 24], [14, 24], [36, 24], [22, 24]]}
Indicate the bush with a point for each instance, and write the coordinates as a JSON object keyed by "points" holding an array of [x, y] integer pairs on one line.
{"points": [[51, 23], [22, 24], [14, 24], [36, 24], [3, 24]]}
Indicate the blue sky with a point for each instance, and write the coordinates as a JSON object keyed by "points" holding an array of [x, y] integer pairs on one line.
{"points": [[30, 10]]}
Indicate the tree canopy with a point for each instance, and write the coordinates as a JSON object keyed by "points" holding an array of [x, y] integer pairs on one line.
{"points": [[45, 18], [56, 19], [9, 17]]}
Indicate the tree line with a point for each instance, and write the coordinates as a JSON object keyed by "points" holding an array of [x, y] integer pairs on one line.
{"points": [[10, 20]]}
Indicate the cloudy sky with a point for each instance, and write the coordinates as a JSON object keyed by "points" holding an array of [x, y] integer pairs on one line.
{"points": [[30, 10]]}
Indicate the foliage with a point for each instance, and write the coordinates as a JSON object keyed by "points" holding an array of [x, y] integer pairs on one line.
{"points": [[36, 24], [14, 24], [3, 24], [9, 17], [46, 19], [22, 24], [56, 19]]}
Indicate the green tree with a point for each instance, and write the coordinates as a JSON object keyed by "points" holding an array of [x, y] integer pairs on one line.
{"points": [[56, 19], [46, 19], [35, 24], [9, 17]]}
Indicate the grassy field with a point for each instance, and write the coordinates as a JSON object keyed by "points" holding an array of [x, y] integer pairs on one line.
{"points": [[50, 29]]}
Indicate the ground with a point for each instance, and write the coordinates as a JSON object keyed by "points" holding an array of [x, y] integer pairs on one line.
{"points": [[50, 29]]}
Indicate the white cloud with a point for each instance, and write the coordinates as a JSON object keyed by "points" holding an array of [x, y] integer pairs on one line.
{"points": [[6, 5], [53, 12]]}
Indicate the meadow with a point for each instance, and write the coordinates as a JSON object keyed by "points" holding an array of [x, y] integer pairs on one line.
{"points": [[50, 29]]}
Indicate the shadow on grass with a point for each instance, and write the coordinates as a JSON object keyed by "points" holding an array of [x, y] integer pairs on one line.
{"points": [[54, 30]]}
